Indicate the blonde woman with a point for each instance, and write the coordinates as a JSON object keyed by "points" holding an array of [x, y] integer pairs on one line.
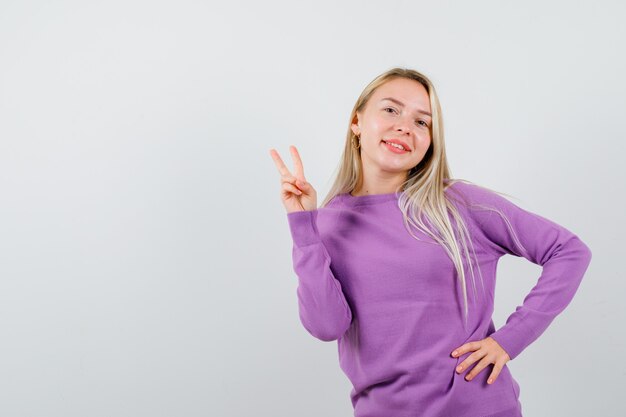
{"points": [[398, 264]]}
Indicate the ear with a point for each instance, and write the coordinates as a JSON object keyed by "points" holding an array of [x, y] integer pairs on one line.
{"points": [[355, 125]]}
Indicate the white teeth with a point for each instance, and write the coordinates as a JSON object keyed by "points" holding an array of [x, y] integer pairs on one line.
{"points": [[395, 145]]}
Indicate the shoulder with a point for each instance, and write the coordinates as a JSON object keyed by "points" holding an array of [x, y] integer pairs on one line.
{"points": [[334, 202], [481, 204], [487, 213], [328, 217], [469, 192]]}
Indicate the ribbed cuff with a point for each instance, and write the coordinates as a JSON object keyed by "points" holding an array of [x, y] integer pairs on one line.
{"points": [[513, 338], [303, 227]]}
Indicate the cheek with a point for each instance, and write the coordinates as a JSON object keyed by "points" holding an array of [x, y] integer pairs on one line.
{"points": [[422, 147], [425, 141], [375, 125]]}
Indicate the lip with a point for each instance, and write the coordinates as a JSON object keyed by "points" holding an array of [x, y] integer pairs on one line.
{"points": [[399, 142], [394, 149]]}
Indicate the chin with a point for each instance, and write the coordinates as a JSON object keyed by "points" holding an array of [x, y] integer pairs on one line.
{"points": [[395, 169]]}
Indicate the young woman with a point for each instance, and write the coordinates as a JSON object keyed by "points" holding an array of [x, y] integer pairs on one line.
{"points": [[384, 263]]}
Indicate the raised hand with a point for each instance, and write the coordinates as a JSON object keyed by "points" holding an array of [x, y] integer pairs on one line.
{"points": [[296, 193]]}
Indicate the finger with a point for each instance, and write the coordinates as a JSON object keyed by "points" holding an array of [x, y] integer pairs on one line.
{"points": [[469, 361], [458, 351], [282, 168], [303, 185], [290, 188], [494, 373], [290, 179], [477, 369], [297, 163], [465, 348]]}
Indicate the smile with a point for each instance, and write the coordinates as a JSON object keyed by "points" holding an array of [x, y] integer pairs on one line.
{"points": [[394, 147]]}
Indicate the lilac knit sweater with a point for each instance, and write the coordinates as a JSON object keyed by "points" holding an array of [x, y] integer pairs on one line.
{"points": [[395, 304]]}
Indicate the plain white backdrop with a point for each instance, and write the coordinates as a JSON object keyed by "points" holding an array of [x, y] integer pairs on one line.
{"points": [[145, 256]]}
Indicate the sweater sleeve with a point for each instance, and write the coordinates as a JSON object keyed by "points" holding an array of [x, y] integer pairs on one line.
{"points": [[323, 309], [561, 253]]}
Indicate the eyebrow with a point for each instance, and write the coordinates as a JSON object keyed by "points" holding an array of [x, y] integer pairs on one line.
{"points": [[402, 104]]}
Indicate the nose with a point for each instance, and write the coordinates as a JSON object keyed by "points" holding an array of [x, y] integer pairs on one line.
{"points": [[402, 125]]}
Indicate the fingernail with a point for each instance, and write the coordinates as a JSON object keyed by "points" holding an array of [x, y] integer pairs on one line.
{"points": [[459, 368], [490, 381], [454, 353]]}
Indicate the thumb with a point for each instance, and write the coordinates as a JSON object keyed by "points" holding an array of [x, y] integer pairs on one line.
{"points": [[301, 184]]}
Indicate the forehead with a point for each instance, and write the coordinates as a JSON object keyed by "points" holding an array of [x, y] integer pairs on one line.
{"points": [[410, 92]]}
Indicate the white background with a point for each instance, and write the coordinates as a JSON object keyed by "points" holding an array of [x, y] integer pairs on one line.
{"points": [[145, 257]]}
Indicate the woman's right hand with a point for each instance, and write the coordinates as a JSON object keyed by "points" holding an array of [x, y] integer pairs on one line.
{"points": [[296, 193]]}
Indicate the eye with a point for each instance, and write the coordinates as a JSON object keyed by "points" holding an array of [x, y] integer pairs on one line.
{"points": [[389, 108], [421, 121]]}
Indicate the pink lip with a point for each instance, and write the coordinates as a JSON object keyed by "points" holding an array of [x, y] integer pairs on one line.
{"points": [[394, 149], [399, 142]]}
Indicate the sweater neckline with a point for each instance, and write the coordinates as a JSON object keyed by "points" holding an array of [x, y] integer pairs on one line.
{"points": [[348, 199], [359, 200]]}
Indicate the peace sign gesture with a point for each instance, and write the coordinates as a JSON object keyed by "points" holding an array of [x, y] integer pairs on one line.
{"points": [[297, 194]]}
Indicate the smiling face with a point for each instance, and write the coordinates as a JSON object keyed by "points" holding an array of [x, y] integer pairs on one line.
{"points": [[398, 111]]}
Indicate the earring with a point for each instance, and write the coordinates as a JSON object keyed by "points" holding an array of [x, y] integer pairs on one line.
{"points": [[356, 146]]}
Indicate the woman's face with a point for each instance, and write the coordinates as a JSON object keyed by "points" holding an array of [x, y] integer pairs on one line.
{"points": [[399, 111]]}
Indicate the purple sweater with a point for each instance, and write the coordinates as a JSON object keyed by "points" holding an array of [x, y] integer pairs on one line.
{"points": [[395, 304]]}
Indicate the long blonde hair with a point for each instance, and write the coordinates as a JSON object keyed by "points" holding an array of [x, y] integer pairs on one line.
{"points": [[424, 187]]}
